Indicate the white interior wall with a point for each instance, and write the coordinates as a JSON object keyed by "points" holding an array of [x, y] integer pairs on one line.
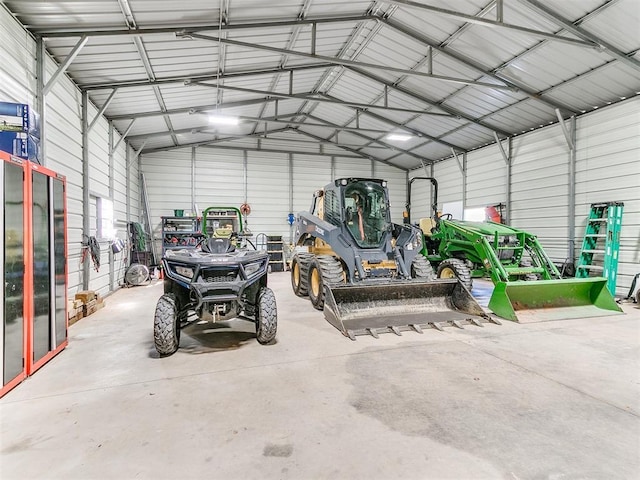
{"points": [[607, 169], [220, 181], [63, 129]]}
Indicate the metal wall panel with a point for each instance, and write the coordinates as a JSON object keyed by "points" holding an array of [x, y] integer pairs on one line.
{"points": [[540, 188], [608, 169], [268, 189], [450, 182], [486, 177], [310, 173]]}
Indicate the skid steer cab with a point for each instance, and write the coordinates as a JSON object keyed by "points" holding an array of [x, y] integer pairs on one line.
{"points": [[367, 273]]}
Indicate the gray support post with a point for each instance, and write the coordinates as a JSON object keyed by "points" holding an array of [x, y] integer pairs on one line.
{"points": [[111, 188], [193, 180], [41, 104], [245, 170], [463, 170], [128, 180], [570, 137], [572, 192], [291, 195], [86, 207], [509, 162], [333, 168]]}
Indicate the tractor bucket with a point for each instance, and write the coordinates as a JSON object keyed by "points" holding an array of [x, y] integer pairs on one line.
{"points": [[394, 307], [546, 300]]}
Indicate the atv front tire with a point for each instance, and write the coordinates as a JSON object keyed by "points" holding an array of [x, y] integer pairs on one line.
{"points": [[266, 316], [166, 326], [456, 268]]}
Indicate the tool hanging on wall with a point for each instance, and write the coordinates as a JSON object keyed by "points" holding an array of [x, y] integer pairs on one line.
{"points": [[91, 247]]}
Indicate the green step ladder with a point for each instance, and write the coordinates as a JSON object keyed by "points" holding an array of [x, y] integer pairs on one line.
{"points": [[601, 244]]}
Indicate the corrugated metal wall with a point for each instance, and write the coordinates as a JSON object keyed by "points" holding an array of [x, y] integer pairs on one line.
{"points": [[64, 146], [219, 180], [607, 169]]}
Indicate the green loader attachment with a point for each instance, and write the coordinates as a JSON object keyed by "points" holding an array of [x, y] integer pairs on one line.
{"points": [[528, 286]]}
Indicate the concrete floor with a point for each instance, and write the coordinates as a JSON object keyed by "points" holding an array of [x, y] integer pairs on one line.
{"points": [[553, 400]]}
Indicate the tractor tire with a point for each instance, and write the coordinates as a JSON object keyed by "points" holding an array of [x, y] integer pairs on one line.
{"points": [[324, 270], [529, 277], [166, 325], [456, 268], [421, 268], [300, 273], [266, 317]]}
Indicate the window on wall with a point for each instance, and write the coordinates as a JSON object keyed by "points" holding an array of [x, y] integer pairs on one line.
{"points": [[454, 209], [475, 214], [105, 226]]}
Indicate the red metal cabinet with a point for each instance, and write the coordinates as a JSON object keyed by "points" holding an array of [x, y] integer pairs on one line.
{"points": [[33, 267]]}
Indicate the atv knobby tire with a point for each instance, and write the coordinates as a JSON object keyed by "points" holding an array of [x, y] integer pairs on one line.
{"points": [[324, 270], [456, 268], [166, 327], [266, 316], [421, 268], [300, 273]]}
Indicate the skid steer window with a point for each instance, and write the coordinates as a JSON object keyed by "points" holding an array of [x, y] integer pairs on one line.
{"points": [[366, 213]]}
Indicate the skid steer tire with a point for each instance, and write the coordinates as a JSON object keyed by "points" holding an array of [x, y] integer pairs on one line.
{"points": [[324, 270], [266, 317], [456, 268], [166, 325], [421, 268], [300, 273]]}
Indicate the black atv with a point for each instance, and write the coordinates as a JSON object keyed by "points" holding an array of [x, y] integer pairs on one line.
{"points": [[216, 282]]}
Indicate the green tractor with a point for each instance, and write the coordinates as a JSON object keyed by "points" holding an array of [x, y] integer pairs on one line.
{"points": [[528, 286]]}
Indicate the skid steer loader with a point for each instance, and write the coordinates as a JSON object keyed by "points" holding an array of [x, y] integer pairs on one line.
{"points": [[528, 286], [367, 273]]}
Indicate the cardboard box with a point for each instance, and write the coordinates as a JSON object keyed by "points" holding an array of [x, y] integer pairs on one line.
{"points": [[18, 117], [86, 296], [20, 131], [21, 144]]}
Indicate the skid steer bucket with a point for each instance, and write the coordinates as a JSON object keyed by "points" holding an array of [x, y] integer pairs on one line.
{"points": [[545, 300], [394, 307]]}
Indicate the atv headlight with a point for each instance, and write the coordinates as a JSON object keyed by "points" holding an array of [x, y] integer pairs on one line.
{"points": [[251, 268], [185, 272]]}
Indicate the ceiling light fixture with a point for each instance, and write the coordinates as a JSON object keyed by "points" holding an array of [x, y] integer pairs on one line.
{"points": [[223, 120], [398, 137]]}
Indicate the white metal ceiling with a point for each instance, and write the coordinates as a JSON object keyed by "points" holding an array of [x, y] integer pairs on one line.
{"points": [[452, 73]]}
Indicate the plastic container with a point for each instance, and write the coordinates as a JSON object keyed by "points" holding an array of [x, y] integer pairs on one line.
{"points": [[178, 213]]}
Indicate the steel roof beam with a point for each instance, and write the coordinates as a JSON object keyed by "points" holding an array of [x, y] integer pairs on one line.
{"points": [[65, 32], [210, 142], [567, 25], [451, 111], [65, 64], [412, 131], [498, 24], [199, 78], [375, 140], [354, 63], [517, 86], [352, 150], [313, 98]]}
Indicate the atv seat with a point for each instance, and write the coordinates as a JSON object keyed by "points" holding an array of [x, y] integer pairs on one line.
{"points": [[218, 245]]}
